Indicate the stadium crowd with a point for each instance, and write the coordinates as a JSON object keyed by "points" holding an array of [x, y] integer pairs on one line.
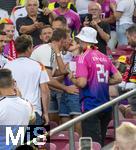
{"points": [[55, 62]]}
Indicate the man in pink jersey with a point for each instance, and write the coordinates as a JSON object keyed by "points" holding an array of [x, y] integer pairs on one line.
{"points": [[72, 17], [95, 72]]}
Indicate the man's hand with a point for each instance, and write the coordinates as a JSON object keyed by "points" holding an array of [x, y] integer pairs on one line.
{"points": [[94, 24], [72, 89], [46, 118], [113, 6], [56, 48], [46, 11], [38, 25]]}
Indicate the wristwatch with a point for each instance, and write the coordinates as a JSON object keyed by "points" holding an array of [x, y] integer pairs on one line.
{"points": [[58, 54]]}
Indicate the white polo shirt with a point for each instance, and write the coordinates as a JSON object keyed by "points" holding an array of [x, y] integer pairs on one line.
{"points": [[44, 54], [29, 74], [14, 111]]}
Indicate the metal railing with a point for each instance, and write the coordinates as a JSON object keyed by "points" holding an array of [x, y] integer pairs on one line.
{"points": [[70, 123]]}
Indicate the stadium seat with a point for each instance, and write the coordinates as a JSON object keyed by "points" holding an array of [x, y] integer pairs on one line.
{"points": [[95, 146], [124, 47], [122, 50], [62, 139], [48, 146], [53, 124]]}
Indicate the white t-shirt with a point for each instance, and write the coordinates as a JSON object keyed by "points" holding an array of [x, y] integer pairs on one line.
{"points": [[44, 54], [29, 74], [3, 14], [18, 12], [82, 7], [14, 111], [127, 7]]}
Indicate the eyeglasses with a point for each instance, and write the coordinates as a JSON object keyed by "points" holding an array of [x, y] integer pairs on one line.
{"points": [[2, 33]]}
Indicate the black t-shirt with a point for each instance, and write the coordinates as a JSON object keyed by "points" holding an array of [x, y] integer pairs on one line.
{"points": [[28, 21], [101, 43]]}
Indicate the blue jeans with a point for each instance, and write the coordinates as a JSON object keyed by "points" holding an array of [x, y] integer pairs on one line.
{"points": [[55, 101], [39, 120], [69, 105], [121, 33]]}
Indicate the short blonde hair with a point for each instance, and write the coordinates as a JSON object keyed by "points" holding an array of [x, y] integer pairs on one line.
{"points": [[127, 131]]}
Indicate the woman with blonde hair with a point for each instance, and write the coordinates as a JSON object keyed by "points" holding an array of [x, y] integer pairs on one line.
{"points": [[125, 137]]}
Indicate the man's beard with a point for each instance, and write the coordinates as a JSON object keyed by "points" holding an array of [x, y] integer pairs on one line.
{"points": [[64, 6], [133, 44]]}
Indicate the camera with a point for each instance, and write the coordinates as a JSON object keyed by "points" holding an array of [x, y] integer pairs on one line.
{"points": [[89, 17], [85, 143]]}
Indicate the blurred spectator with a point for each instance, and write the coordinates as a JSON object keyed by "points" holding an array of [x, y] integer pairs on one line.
{"points": [[3, 14], [33, 22], [59, 22], [14, 111], [8, 27], [22, 109], [20, 11], [131, 72], [46, 34], [31, 78], [123, 13], [125, 137], [94, 73], [4, 59], [82, 9], [54, 5], [102, 27], [129, 76], [72, 17], [107, 16]]}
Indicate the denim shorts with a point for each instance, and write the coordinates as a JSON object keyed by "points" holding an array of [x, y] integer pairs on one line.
{"points": [[55, 101], [69, 105]]}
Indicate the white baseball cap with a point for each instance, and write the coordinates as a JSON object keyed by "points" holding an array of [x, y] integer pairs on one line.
{"points": [[88, 34]]}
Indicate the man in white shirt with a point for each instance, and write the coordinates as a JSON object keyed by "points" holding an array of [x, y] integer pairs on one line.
{"points": [[48, 55], [14, 111], [123, 13], [31, 78]]}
